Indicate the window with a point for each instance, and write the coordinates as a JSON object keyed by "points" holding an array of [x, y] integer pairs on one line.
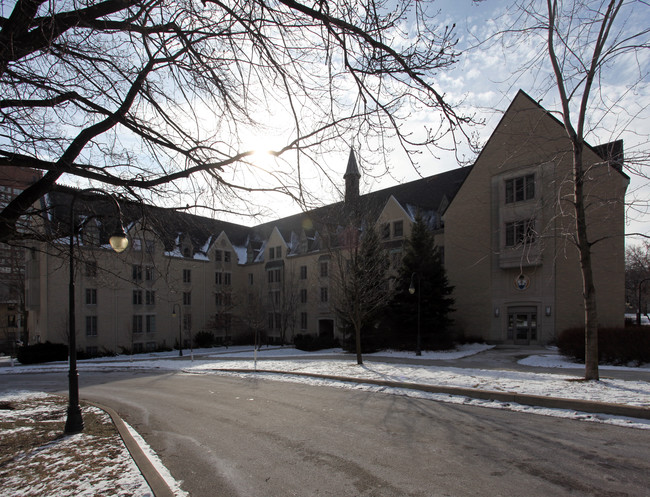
{"points": [[278, 252], [227, 299], [396, 259], [91, 326], [91, 296], [151, 323], [226, 256], [218, 279], [303, 296], [149, 246], [137, 297], [136, 273], [150, 297], [217, 255], [272, 253], [149, 274], [218, 299], [398, 229], [187, 322], [137, 244], [323, 269], [187, 275], [274, 297], [303, 272], [227, 279], [520, 232], [250, 278], [274, 275], [137, 323], [303, 320], [91, 269], [385, 231], [520, 189], [323, 294], [187, 298]]}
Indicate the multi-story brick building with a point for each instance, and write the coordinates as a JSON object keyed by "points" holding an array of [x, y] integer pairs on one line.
{"points": [[503, 223], [13, 180]]}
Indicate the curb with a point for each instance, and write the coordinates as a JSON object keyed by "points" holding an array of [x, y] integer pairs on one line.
{"points": [[474, 393], [156, 482]]}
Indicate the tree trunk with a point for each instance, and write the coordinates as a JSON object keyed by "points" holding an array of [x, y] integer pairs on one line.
{"points": [[588, 287], [357, 336]]}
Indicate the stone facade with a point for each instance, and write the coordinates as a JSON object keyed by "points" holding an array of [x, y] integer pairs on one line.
{"points": [[504, 224]]}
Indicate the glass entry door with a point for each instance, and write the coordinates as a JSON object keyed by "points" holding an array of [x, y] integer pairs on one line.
{"points": [[522, 325]]}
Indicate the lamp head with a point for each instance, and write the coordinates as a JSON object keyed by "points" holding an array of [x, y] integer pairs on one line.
{"points": [[119, 241]]}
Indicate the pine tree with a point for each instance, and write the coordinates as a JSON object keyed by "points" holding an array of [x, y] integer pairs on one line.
{"points": [[422, 267]]}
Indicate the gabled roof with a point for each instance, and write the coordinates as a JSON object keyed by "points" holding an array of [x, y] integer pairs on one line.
{"points": [[427, 194]]}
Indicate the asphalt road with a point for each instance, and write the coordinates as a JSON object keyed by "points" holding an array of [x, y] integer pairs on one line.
{"points": [[226, 436]]}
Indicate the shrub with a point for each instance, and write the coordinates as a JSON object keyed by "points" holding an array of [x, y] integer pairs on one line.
{"points": [[310, 343], [42, 352], [204, 339], [619, 346]]}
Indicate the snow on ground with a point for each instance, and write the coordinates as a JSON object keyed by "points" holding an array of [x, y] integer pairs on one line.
{"points": [[336, 363], [113, 471]]}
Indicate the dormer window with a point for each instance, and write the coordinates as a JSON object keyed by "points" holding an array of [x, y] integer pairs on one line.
{"points": [[272, 253], [398, 229], [520, 189], [186, 252]]}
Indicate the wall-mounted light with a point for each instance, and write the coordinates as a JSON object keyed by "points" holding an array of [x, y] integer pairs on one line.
{"points": [[497, 311], [548, 310]]}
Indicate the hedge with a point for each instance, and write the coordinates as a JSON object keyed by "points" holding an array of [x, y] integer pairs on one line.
{"points": [[617, 346], [42, 352]]}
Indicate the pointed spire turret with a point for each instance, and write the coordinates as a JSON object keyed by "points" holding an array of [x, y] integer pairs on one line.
{"points": [[352, 177]]}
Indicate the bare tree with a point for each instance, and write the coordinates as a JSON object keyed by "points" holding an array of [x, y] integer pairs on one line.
{"points": [[151, 98], [637, 277], [583, 41], [361, 281]]}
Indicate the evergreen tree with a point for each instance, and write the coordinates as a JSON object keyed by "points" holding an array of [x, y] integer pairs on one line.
{"points": [[423, 269]]}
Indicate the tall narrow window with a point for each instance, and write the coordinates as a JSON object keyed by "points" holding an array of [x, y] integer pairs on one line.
{"points": [[91, 296], [150, 297], [151, 323], [136, 272], [323, 269], [303, 272], [187, 275], [324, 297], [398, 229], [137, 297], [187, 298], [137, 323], [91, 326]]}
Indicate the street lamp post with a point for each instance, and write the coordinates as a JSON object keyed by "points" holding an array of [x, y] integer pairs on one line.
{"points": [[119, 242], [180, 334], [418, 349]]}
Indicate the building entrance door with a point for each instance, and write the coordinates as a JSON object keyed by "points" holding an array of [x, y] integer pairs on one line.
{"points": [[522, 325]]}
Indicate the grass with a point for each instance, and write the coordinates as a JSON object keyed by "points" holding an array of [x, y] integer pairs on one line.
{"points": [[37, 458]]}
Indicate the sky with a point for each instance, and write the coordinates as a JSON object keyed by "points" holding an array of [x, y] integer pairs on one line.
{"points": [[486, 79]]}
